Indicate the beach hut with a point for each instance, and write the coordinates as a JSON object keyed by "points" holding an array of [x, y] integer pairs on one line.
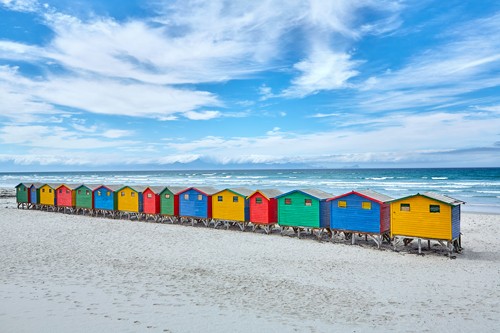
{"points": [[169, 203], [305, 209], [230, 207], [23, 195], [104, 197], [129, 201], [195, 204], [35, 195], [430, 216], [48, 196], [65, 198], [363, 212], [84, 201], [264, 209]]}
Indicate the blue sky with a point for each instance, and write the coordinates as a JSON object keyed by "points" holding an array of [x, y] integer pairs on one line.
{"points": [[248, 84]]}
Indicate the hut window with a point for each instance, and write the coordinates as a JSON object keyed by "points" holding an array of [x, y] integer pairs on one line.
{"points": [[200, 197], [60, 191], [235, 198], [32, 190], [50, 190], [404, 207], [67, 191], [43, 190], [167, 196], [434, 208], [80, 192], [258, 200], [24, 189], [342, 204], [150, 195], [288, 201], [219, 198], [366, 205], [308, 202], [186, 196], [122, 194], [132, 194], [87, 192], [108, 193], [99, 193]]}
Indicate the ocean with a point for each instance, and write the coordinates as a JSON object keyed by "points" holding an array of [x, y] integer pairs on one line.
{"points": [[478, 187]]}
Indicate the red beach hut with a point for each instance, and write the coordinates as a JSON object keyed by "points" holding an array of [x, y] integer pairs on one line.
{"points": [[65, 197], [264, 209], [151, 201]]}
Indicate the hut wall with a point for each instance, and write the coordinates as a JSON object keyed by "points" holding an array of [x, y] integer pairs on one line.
{"points": [[419, 221], [104, 198], [264, 212], [353, 217], [34, 194], [64, 196], [47, 196], [232, 207], [167, 202], [129, 200], [151, 202], [324, 215], [297, 214], [193, 203], [22, 194], [385, 217], [83, 197], [455, 221]]}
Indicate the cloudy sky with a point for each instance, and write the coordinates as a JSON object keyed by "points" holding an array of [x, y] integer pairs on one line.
{"points": [[144, 84]]}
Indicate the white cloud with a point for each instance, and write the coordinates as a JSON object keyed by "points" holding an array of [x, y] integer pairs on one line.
{"points": [[116, 133], [202, 115], [20, 5]]}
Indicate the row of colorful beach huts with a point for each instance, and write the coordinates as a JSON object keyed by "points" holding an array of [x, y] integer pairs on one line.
{"points": [[427, 216]]}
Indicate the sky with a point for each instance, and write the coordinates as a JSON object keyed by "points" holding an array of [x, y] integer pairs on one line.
{"points": [[136, 85]]}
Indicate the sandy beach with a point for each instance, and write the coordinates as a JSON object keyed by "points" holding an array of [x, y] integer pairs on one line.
{"points": [[67, 273]]}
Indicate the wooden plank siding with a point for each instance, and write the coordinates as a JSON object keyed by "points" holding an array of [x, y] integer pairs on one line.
{"points": [[264, 206], [196, 202], [48, 194], [231, 205], [129, 199], [84, 197], [65, 196], [105, 197], [23, 193], [169, 200], [300, 209], [354, 211], [419, 221]]}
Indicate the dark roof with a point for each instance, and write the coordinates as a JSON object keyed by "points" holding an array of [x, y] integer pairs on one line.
{"points": [[369, 194], [208, 190], [434, 196], [268, 193], [243, 191], [318, 194]]}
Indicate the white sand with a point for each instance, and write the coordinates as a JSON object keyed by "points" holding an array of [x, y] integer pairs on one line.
{"points": [[65, 273]]}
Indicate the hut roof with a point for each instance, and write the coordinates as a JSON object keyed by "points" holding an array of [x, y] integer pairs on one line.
{"points": [[369, 194], [37, 185], [434, 196], [207, 190], [155, 189], [89, 186], [113, 188], [242, 191], [52, 185], [318, 194], [175, 189], [25, 184], [268, 193], [70, 186]]}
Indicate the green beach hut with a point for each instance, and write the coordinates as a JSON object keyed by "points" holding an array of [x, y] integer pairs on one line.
{"points": [[23, 195], [169, 202], [84, 199]]}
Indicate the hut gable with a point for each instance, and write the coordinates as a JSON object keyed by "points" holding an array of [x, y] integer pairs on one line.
{"points": [[428, 215]]}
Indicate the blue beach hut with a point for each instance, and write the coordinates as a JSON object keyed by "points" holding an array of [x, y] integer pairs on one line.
{"points": [[35, 194], [196, 202], [105, 199], [364, 212]]}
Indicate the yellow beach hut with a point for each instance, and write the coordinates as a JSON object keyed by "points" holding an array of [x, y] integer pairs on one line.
{"points": [[429, 216], [230, 206], [48, 196], [129, 201]]}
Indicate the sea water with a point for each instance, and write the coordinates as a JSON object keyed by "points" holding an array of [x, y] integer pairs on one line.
{"points": [[478, 187]]}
